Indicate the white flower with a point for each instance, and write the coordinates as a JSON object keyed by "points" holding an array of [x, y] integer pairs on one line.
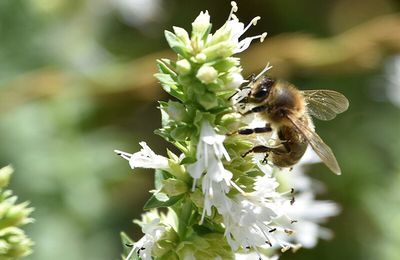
{"points": [[238, 29], [153, 231], [226, 40], [248, 218], [235, 80], [210, 151], [216, 179], [251, 221], [308, 212], [145, 158]]}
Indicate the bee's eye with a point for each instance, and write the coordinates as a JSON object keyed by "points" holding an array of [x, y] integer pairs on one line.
{"points": [[261, 93]]}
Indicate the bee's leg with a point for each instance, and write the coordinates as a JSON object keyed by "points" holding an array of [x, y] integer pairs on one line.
{"points": [[258, 149], [265, 160], [234, 94], [244, 100], [258, 130], [256, 109], [265, 149]]}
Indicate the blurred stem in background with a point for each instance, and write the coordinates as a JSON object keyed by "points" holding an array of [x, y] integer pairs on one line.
{"points": [[361, 48]]}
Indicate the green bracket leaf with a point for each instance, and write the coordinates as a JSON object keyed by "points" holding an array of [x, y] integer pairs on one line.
{"points": [[154, 202]]}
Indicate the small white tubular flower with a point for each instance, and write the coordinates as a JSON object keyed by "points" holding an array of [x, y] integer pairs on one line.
{"points": [[238, 29], [145, 158], [308, 212], [210, 151], [153, 231], [250, 222], [226, 40], [216, 179]]}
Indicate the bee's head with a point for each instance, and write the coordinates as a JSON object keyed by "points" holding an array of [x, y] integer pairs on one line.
{"points": [[261, 89]]}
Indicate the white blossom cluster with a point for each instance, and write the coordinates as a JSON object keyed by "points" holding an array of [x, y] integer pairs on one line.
{"points": [[264, 218], [280, 212]]}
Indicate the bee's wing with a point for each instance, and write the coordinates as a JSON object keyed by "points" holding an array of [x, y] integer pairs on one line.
{"points": [[325, 104], [323, 150]]}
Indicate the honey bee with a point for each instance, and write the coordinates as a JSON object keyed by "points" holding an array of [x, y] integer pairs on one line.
{"points": [[288, 111]]}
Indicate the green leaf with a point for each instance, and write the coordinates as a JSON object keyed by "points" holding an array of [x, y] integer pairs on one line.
{"points": [[181, 133], [208, 100], [174, 187], [159, 176], [127, 243], [164, 67], [176, 111], [170, 85], [188, 160], [176, 44], [154, 202], [184, 216]]}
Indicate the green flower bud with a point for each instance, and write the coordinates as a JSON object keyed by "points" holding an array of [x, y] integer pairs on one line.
{"points": [[207, 246], [182, 35], [183, 67], [16, 215], [166, 244], [234, 80], [14, 243], [176, 111], [201, 25], [5, 174], [174, 187], [197, 198], [200, 58], [231, 121], [219, 50], [207, 74]]}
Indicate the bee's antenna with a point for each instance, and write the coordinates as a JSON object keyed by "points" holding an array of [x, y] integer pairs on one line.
{"points": [[267, 68]]}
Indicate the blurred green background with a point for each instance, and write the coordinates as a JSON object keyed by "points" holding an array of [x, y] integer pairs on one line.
{"points": [[76, 82]]}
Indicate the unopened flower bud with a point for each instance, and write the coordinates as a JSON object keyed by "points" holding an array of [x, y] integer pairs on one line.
{"points": [[234, 80], [207, 74], [5, 174], [183, 67], [201, 24]]}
